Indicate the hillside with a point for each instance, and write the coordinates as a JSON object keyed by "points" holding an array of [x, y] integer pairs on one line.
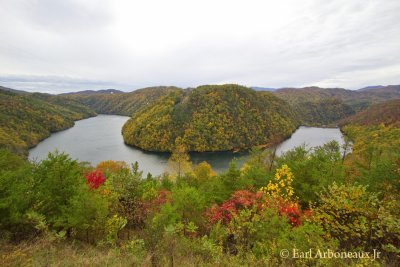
{"points": [[353, 98], [387, 113], [120, 103], [208, 118], [211, 118], [95, 92], [372, 87], [312, 105], [25, 119], [257, 88], [316, 106], [2, 88]]}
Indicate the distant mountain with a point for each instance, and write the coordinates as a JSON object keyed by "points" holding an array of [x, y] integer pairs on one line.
{"points": [[313, 105], [95, 92], [371, 87], [13, 90], [310, 105], [383, 93], [316, 106], [263, 88], [313, 93], [120, 103], [355, 98]]}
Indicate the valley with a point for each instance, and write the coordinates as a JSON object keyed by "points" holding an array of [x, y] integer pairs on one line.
{"points": [[169, 174]]}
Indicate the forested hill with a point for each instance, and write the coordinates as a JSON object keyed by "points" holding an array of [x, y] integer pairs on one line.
{"points": [[120, 103], [208, 118], [95, 92], [2, 88], [312, 105], [354, 98], [318, 106], [211, 118], [25, 119], [387, 113]]}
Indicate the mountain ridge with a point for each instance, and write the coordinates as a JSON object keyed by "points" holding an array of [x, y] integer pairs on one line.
{"points": [[101, 91]]}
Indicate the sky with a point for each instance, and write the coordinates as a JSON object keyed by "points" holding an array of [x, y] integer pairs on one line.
{"points": [[58, 46]]}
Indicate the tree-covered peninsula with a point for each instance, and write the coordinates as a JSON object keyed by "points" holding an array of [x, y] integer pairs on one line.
{"points": [[211, 118]]}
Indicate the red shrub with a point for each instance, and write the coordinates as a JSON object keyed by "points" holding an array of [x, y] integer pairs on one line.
{"points": [[239, 200], [245, 199], [291, 211], [95, 179], [153, 205], [163, 196]]}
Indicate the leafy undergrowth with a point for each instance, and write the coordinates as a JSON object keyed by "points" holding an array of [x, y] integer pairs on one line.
{"points": [[61, 212]]}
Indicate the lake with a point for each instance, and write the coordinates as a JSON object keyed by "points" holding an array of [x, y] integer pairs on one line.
{"points": [[99, 138]]}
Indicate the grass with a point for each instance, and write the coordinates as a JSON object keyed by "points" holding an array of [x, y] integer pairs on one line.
{"points": [[43, 252]]}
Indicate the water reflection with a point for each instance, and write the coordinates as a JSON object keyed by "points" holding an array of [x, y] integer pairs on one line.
{"points": [[99, 138]]}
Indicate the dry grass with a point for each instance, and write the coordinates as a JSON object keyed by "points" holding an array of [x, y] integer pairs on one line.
{"points": [[43, 252]]}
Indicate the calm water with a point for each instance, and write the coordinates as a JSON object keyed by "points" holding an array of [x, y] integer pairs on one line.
{"points": [[310, 137], [99, 138]]}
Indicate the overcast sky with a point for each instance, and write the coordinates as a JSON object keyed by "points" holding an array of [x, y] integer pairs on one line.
{"points": [[67, 45]]}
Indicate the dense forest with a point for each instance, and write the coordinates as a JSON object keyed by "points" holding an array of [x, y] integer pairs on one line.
{"points": [[327, 200], [116, 103], [319, 106], [386, 113], [211, 118], [26, 119], [208, 118], [336, 200], [312, 105]]}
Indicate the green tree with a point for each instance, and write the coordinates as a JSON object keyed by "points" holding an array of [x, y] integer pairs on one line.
{"points": [[58, 180], [314, 169], [86, 213], [16, 193]]}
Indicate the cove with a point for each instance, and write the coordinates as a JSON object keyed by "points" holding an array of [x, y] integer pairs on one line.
{"points": [[99, 138]]}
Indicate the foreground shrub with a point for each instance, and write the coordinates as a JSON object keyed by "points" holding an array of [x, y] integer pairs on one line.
{"points": [[16, 195], [95, 179], [359, 220]]}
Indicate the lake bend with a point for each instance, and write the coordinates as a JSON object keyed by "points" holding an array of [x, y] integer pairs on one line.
{"points": [[99, 138]]}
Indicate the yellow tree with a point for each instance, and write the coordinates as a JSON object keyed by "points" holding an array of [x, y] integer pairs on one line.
{"points": [[281, 186], [203, 172], [179, 163]]}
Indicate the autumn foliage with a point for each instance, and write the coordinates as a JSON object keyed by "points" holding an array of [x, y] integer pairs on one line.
{"points": [[211, 118], [239, 200], [111, 166], [95, 179], [291, 211], [277, 195], [304, 199], [243, 199], [153, 205]]}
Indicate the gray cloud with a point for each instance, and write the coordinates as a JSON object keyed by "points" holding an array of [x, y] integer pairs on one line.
{"points": [[58, 84], [66, 45]]}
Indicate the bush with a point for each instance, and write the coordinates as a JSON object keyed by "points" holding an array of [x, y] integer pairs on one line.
{"points": [[358, 219], [16, 195]]}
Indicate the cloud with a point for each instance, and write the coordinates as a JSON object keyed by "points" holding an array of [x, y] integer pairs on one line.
{"points": [[58, 84], [133, 44]]}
